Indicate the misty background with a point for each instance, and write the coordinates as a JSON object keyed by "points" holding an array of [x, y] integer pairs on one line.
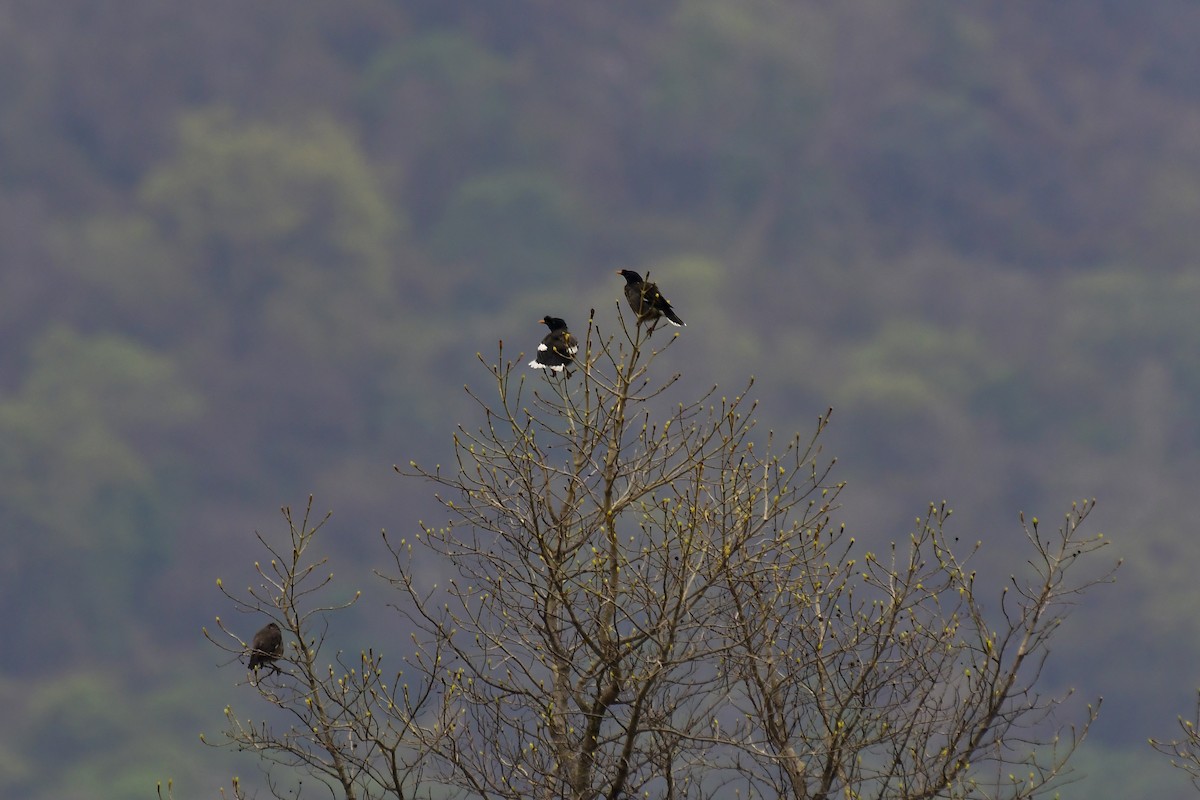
{"points": [[249, 252]]}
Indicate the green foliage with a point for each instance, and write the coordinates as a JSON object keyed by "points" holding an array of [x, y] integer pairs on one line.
{"points": [[731, 102], [1127, 315], [753, 69], [130, 270], [248, 251], [705, 292], [256, 206], [1122, 327], [440, 105], [460, 83], [83, 472], [289, 235], [79, 431], [93, 726], [908, 386], [911, 365], [70, 710], [926, 157], [512, 228]]}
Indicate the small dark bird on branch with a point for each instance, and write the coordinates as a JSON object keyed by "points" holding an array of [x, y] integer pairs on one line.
{"points": [[646, 300], [266, 648], [558, 348]]}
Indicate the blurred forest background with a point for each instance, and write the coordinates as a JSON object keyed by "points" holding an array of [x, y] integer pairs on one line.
{"points": [[249, 251]]}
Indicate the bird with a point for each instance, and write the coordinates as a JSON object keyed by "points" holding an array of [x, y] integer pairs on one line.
{"points": [[557, 349], [647, 301], [266, 647]]}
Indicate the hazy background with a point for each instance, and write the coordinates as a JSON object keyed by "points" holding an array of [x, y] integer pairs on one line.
{"points": [[249, 251]]}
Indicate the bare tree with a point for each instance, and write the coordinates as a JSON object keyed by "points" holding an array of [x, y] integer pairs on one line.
{"points": [[595, 527], [645, 601], [350, 722], [1184, 752], [882, 676]]}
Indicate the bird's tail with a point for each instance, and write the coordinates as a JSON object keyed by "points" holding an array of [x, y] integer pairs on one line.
{"points": [[674, 319]]}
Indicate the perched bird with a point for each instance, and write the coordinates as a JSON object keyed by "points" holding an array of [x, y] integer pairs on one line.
{"points": [[646, 301], [557, 349], [266, 647]]}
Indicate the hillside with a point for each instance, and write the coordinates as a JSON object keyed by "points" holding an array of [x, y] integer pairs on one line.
{"points": [[249, 253]]}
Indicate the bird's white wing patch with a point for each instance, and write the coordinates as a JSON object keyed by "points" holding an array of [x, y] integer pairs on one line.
{"points": [[542, 347]]}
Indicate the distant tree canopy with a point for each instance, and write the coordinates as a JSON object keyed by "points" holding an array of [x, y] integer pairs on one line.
{"points": [[250, 249], [285, 223], [82, 436]]}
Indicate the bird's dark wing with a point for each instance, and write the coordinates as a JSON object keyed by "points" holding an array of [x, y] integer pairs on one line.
{"points": [[659, 306], [266, 647], [561, 347], [556, 351], [633, 294], [569, 344], [670, 314]]}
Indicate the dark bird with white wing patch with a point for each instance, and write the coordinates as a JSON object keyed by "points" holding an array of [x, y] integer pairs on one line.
{"points": [[558, 348]]}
